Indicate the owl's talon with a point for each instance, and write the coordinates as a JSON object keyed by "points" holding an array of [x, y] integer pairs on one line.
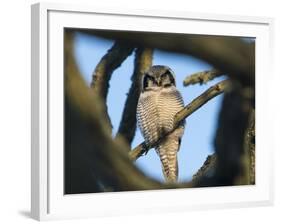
{"points": [[145, 149]]}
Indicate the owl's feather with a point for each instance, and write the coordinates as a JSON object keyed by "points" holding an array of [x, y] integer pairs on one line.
{"points": [[155, 114]]}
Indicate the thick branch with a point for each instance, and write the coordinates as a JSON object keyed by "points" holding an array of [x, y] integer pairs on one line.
{"points": [[109, 62], [229, 140], [202, 77], [104, 69], [207, 169], [248, 159], [247, 175], [228, 54], [184, 113], [127, 128]]}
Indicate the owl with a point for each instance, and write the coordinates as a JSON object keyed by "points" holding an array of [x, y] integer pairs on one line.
{"points": [[158, 103]]}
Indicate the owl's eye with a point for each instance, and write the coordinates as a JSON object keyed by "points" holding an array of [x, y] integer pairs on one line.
{"points": [[148, 81], [165, 75], [167, 79]]}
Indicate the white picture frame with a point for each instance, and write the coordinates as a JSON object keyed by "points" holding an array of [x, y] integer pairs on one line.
{"points": [[48, 201]]}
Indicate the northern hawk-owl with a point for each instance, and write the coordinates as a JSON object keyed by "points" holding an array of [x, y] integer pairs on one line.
{"points": [[158, 103]]}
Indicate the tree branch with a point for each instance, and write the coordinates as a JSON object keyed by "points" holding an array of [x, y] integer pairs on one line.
{"points": [[207, 169], [229, 54], [109, 62], [127, 128], [247, 174], [202, 77], [234, 116], [184, 113], [250, 141], [248, 158], [104, 69]]}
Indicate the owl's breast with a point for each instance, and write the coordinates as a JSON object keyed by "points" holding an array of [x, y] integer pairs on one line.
{"points": [[147, 116], [156, 111], [169, 103]]}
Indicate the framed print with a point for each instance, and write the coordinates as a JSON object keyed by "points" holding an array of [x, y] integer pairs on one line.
{"points": [[148, 111]]}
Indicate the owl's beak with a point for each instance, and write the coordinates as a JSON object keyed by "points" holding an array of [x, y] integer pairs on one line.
{"points": [[158, 82]]}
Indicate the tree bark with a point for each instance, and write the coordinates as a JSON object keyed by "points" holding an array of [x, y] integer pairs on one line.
{"points": [[104, 69], [228, 54], [201, 77]]}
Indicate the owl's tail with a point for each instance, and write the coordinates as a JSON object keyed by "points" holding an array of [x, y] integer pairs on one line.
{"points": [[167, 151]]}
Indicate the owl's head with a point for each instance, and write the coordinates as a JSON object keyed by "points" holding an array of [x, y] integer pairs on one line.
{"points": [[158, 76]]}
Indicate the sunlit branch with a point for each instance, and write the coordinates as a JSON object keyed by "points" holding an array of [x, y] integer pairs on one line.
{"points": [[202, 77]]}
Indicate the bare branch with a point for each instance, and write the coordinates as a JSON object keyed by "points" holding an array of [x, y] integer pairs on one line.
{"points": [[250, 147], [247, 174], [234, 117], [127, 128], [104, 69], [183, 114], [207, 169], [202, 77], [248, 158], [109, 62], [228, 54]]}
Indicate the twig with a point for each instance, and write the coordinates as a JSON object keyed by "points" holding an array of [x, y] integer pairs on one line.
{"points": [[184, 113], [202, 77], [127, 128]]}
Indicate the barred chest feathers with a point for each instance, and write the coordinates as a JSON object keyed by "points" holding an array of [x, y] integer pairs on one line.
{"points": [[158, 104]]}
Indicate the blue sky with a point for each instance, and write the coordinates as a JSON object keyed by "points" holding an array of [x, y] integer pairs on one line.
{"points": [[197, 141]]}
